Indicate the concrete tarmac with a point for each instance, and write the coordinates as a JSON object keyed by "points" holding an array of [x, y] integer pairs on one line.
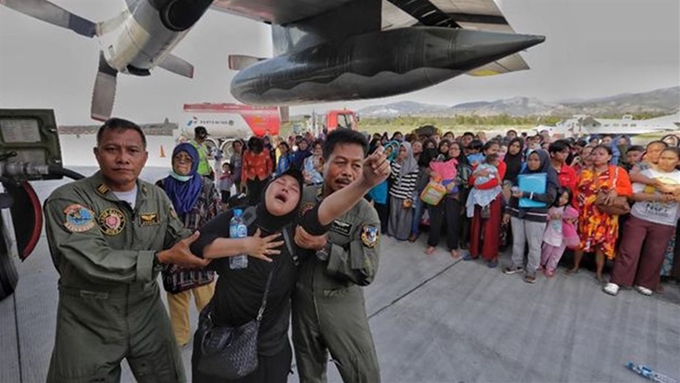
{"points": [[434, 319]]}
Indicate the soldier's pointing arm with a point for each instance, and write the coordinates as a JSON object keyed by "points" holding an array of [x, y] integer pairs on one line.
{"points": [[76, 242], [358, 261]]}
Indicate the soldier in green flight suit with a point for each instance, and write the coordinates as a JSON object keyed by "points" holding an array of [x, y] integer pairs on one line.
{"points": [[107, 234], [329, 313]]}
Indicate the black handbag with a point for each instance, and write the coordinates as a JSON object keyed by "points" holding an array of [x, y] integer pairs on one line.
{"points": [[231, 352]]}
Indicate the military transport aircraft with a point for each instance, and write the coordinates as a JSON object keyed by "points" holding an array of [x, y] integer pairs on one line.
{"points": [[326, 50]]}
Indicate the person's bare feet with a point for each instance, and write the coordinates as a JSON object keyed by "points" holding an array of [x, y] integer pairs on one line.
{"points": [[455, 254], [572, 271], [429, 250]]}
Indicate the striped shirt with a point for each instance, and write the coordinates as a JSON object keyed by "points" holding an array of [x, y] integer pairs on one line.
{"points": [[408, 182]]}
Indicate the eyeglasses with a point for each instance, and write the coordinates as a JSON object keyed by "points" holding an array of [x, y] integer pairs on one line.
{"points": [[182, 158]]}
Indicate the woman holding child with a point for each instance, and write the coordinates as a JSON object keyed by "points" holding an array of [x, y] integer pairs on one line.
{"points": [[484, 238], [652, 223]]}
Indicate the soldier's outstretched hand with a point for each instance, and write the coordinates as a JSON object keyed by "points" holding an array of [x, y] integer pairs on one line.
{"points": [[181, 255], [376, 168]]}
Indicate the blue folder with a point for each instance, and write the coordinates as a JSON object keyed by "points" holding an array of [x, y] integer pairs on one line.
{"points": [[532, 183]]}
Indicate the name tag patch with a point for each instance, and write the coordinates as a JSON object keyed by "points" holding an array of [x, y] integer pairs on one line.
{"points": [[341, 227]]}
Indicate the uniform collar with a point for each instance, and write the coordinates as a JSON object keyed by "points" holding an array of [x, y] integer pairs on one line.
{"points": [[100, 186]]}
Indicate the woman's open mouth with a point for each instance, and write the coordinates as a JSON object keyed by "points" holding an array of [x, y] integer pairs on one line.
{"points": [[282, 197]]}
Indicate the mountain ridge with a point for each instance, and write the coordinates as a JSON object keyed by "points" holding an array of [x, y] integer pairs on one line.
{"points": [[658, 101]]}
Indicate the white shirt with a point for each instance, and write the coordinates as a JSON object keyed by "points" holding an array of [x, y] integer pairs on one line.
{"points": [[129, 196], [663, 213]]}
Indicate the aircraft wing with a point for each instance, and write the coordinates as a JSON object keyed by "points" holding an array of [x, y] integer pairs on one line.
{"points": [[467, 14]]}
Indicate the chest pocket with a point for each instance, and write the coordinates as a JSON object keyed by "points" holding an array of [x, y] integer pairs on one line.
{"points": [[149, 229]]}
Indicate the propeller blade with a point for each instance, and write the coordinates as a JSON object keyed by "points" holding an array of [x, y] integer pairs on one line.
{"points": [[177, 65], [53, 14], [104, 92]]}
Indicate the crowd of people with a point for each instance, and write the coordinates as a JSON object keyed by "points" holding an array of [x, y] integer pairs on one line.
{"points": [[308, 249], [315, 208]]}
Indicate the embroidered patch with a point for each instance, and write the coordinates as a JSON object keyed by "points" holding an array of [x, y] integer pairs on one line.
{"points": [[148, 219], [306, 207], [102, 189], [341, 227], [78, 218], [112, 221], [369, 236]]}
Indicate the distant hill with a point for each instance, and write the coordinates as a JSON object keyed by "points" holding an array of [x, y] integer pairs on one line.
{"points": [[657, 102]]}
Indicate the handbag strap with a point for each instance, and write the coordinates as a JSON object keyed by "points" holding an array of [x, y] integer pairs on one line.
{"points": [[286, 239]]}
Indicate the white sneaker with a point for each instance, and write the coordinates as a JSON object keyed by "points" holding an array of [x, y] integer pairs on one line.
{"points": [[644, 290], [611, 289]]}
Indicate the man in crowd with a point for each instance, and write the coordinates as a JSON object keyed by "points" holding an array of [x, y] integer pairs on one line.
{"points": [[108, 234], [328, 303], [200, 134]]}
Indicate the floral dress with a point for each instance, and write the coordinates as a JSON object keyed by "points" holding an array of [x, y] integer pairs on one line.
{"points": [[595, 227]]}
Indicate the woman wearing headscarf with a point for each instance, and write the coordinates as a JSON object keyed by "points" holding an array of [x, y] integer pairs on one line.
{"points": [[257, 167], [196, 201], [455, 179], [404, 176], [239, 293], [421, 182], [513, 159], [528, 223]]}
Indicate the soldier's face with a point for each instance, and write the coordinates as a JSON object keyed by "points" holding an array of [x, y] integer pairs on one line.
{"points": [[343, 166], [282, 196], [121, 156]]}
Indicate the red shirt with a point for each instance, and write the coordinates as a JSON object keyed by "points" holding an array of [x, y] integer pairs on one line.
{"points": [[256, 166], [502, 167], [568, 178]]}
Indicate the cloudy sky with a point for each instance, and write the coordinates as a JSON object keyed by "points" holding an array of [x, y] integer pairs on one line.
{"points": [[594, 48]]}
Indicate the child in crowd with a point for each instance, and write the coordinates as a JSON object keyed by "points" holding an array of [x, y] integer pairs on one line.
{"points": [[634, 156], [484, 173], [560, 232], [226, 182], [474, 153]]}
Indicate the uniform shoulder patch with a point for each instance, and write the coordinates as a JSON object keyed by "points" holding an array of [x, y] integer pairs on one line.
{"points": [[78, 218], [112, 221], [370, 235], [306, 207]]}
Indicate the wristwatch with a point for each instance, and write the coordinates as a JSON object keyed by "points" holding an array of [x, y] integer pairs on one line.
{"points": [[324, 253]]}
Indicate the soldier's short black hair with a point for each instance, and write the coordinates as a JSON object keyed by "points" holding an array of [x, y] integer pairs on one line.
{"points": [[343, 136], [558, 146], [115, 123]]}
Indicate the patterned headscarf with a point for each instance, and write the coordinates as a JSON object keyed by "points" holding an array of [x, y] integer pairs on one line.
{"points": [[184, 193]]}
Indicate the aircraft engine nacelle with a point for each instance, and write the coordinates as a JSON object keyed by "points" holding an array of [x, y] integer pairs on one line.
{"points": [[149, 35], [371, 65]]}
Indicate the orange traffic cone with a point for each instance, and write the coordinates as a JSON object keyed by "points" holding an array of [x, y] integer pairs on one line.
{"points": [[162, 152]]}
